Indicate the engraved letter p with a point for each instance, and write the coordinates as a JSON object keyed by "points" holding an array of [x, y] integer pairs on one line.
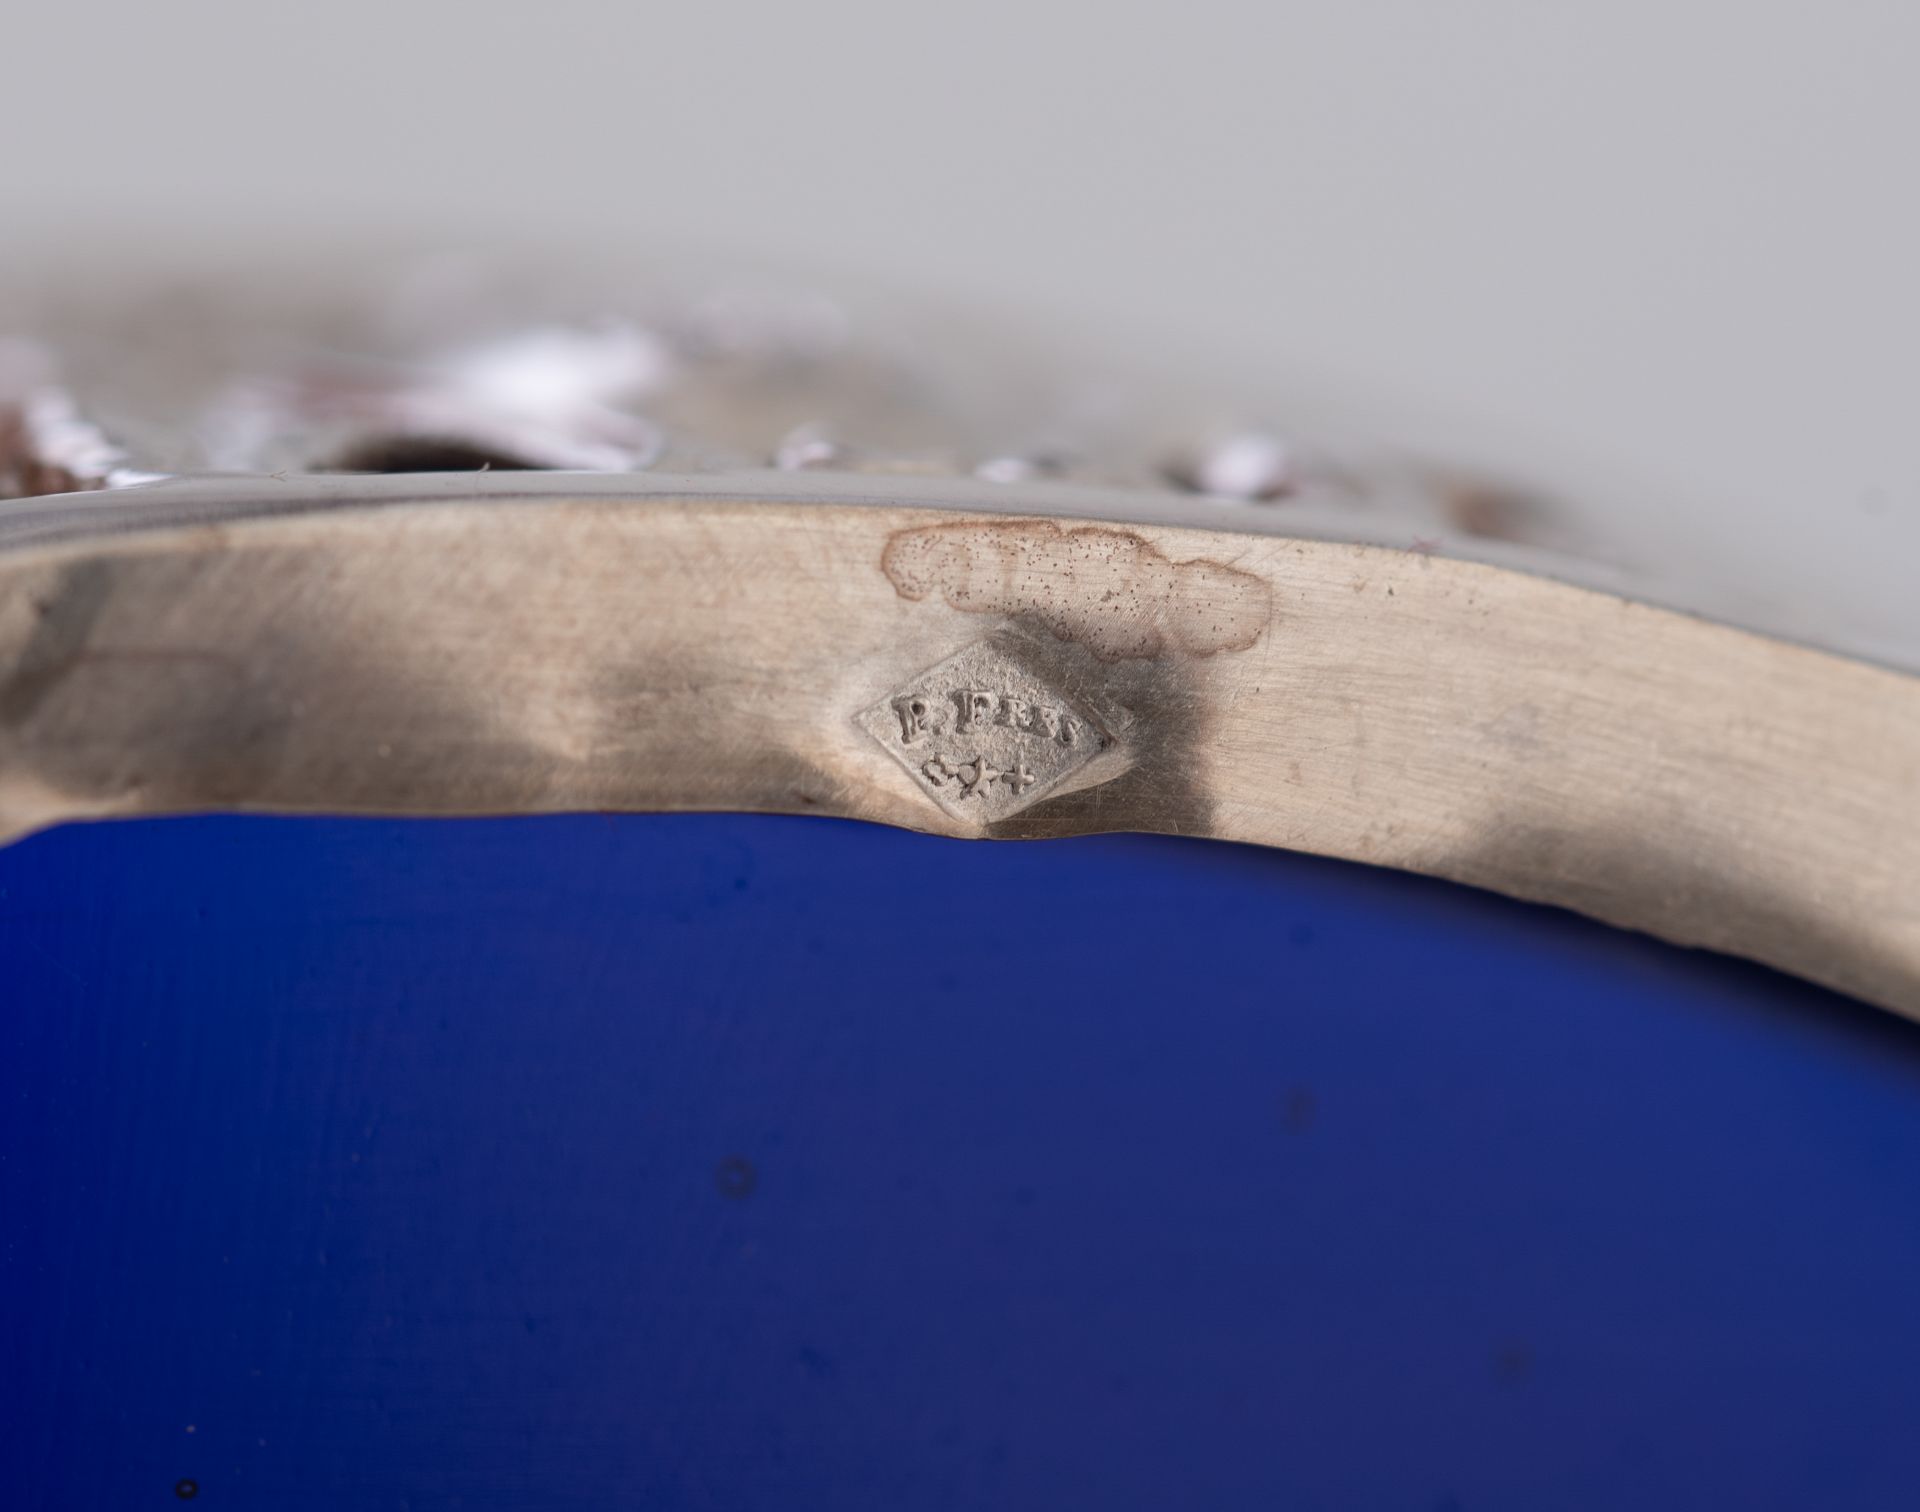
{"points": [[915, 716]]}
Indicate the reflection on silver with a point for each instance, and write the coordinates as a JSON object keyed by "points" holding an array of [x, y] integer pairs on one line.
{"points": [[1248, 465], [465, 365], [546, 397], [1021, 468], [808, 446], [46, 445]]}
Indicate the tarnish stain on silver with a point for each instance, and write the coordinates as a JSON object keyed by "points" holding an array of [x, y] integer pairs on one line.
{"points": [[1113, 591], [982, 736]]}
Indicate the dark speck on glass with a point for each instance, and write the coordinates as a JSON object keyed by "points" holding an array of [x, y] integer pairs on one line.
{"points": [[736, 1177]]}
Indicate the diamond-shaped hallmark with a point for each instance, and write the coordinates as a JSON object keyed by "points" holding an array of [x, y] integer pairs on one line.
{"points": [[982, 736]]}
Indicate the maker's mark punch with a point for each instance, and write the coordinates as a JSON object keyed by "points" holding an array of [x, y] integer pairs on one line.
{"points": [[982, 736]]}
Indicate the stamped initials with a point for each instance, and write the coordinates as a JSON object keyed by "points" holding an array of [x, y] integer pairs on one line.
{"points": [[982, 735]]}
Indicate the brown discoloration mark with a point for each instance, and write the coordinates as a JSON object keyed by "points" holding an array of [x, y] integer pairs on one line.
{"points": [[1112, 591], [1491, 509]]}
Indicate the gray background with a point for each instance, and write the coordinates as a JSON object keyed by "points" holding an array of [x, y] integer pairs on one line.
{"points": [[1671, 246]]}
